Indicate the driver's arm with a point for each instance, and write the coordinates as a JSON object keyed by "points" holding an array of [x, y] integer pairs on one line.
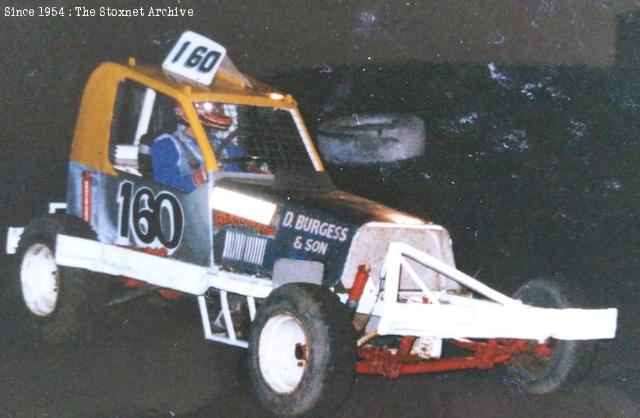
{"points": [[164, 161]]}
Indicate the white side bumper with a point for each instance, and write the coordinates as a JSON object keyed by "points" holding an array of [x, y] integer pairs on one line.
{"points": [[163, 272]]}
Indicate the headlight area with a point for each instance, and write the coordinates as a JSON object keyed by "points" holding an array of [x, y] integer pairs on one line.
{"points": [[242, 205]]}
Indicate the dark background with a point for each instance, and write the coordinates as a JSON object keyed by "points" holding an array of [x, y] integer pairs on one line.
{"points": [[531, 112]]}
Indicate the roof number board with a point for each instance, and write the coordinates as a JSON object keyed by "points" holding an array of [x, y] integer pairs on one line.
{"points": [[194, 58]]}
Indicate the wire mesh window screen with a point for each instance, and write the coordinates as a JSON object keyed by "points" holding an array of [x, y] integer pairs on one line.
{"points": [[271, 133]]}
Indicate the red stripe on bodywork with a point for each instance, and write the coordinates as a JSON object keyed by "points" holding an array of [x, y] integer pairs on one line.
{"points": [[86, 196]]}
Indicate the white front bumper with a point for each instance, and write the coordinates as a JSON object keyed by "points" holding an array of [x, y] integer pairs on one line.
{"points": [[489, 314], [493, 320]]}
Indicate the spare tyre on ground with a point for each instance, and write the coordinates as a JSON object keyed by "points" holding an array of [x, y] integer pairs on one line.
{"points": [[371, 139]]}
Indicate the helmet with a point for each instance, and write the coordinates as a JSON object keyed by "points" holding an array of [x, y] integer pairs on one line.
{"points": [[210, 114]]}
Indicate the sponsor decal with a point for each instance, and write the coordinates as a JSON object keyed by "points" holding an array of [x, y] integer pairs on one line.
{"points": [[314, 226], [310, 245], [314, 232], [222, 218]]}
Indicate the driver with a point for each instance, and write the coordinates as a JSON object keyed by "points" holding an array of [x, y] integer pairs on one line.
{"points": [[176, 158]]}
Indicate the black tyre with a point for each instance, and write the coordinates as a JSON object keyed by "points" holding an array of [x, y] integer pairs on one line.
{"points": [[569, 361], [49, 302], [302, 351]]}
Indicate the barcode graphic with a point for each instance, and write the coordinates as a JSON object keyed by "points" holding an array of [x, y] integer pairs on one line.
{"points": [[243, 247]]}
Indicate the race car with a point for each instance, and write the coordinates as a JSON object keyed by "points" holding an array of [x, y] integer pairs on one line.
{"points": [[317, 284]]}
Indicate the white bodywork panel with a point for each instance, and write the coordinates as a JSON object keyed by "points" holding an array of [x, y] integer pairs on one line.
{"points": [[371, 243]]}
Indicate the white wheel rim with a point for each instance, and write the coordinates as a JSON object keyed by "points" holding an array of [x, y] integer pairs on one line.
{"points": [[39, 280], [282, 353]]}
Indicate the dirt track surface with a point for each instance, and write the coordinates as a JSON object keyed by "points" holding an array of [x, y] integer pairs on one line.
{"points": [[149, 361]]}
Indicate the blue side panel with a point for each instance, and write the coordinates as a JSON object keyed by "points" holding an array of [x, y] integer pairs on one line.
{"points": [[137, 212], [101, 207], [305, 233], [74, 189]]}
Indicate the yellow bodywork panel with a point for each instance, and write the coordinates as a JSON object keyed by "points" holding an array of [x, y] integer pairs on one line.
{"points": [[90, 145]]}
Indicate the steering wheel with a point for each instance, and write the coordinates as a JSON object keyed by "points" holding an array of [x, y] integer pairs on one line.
{"points": [[250, 163]]}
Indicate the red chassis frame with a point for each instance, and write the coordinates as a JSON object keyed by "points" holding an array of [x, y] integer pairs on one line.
{"points": [[394, 363]]}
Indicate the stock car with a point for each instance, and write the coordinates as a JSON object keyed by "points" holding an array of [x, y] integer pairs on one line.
{"points": [[316, 283]]}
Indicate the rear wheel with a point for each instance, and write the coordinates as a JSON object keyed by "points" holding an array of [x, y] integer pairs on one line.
{"points": [[302, 351], [50, 302], [569, 360]]}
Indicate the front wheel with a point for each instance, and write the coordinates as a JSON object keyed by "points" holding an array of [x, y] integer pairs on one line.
{"points": [[569, 360], [50, 302], [302, 351]]}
